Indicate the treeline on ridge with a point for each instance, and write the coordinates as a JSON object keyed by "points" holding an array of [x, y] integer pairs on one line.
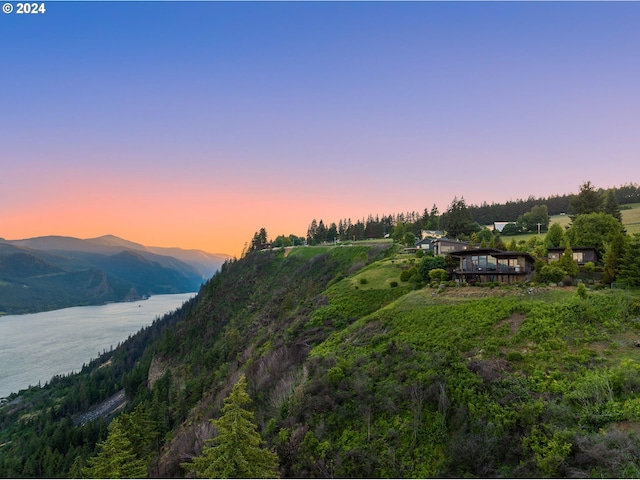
{"points": [[376, 226]]}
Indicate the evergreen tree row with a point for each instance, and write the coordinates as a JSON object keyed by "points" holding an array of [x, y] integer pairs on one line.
{"points": [[461, 220]]}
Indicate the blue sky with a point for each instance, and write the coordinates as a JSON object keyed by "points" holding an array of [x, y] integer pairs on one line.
{"points": [[142, 118]]}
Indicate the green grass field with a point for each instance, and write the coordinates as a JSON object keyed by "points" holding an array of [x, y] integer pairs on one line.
{"points": [[630, 219]]}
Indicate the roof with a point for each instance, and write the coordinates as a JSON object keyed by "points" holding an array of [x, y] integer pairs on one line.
{"points": [[452, 240], [500, 225], [475, 251], [575, 249], [494, 252], [424, 241], [514, 253]]}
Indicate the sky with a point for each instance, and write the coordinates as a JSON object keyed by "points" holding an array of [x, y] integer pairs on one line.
{"points": [[194, 124]]}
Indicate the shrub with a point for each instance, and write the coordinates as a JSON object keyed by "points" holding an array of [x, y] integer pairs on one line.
{"points": [[438, 274], [515, 357], [511, 229], [393, 284], [406, 275], [363, 281], [582, 290], [552, 273], [429, 263], [335, 375], [420, 254]]}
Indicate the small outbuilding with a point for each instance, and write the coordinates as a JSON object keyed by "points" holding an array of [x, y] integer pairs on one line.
{"points": [[581, 255]]}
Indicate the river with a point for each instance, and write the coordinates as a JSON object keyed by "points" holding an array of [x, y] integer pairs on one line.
{"points": [[36, 346]]}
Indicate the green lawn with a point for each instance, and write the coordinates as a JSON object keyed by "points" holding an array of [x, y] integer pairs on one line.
{"points": [[631, 218]]}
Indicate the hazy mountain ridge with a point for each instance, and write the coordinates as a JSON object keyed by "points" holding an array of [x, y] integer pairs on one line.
{"points": [[53, 272]]}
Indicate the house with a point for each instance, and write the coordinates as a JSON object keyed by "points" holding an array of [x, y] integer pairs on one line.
{"points": [[481, 265], [442, 246], [426, 244], [581, 255]]}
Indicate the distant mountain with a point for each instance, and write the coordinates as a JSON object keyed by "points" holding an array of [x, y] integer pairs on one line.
{"points": [[46, 273], [111, 241], [205, 263]]}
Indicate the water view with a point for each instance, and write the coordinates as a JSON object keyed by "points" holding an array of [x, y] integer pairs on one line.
{"points": [[35, 347]]}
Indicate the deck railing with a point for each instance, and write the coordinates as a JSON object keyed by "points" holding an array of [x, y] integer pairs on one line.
{"points": [[502, 269]]}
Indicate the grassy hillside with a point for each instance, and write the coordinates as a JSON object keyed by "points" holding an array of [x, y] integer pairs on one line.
{"points": [[355, 373], [631, 218]]}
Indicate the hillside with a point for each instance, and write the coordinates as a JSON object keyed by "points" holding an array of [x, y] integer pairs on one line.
{"points": [[352, 376], [53, 272]]}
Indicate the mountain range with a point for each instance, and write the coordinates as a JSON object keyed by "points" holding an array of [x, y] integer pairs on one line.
{"points": [[46, 273]]}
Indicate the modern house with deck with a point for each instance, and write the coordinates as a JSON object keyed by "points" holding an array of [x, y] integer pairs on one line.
{"points": [[482, 265]]}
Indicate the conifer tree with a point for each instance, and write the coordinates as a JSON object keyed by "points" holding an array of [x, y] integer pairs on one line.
{"points": [[629, 271], [613, 257], [611, 206], [588, 200], [116, 457], [567, 263], [141, 432], [75, 471], [434, 218], [555, 236], [457, 219], [237, 451]]}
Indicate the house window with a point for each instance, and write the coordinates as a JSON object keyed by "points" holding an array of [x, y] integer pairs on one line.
{"points": [[578, 257], [466, 264], [483, 262], [508, 263]]}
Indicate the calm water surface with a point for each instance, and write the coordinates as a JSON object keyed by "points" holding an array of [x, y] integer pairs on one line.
{"points": [[36, 346]]}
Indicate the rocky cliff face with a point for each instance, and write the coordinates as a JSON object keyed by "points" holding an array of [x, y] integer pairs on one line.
{"points": [[159, 366]]}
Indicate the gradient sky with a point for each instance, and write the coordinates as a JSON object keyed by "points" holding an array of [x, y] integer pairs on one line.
{"points": [[194, 124]]}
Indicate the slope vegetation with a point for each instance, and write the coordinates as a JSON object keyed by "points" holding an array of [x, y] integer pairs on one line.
{"points": [[355, 373]]}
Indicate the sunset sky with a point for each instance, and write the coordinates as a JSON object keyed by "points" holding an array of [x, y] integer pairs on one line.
{"points": [[193, 124]]}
